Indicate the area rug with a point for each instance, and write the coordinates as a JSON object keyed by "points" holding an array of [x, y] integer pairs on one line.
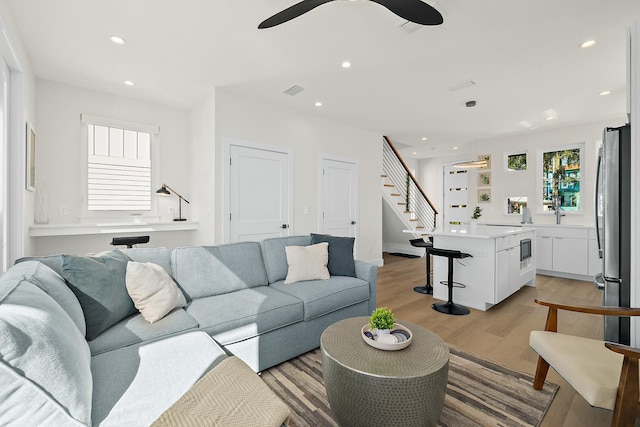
{"points": [[479, 393]]}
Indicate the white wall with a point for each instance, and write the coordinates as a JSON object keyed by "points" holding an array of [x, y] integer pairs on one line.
{"points": [[309, 137], [202, 165], [21, 110], [58, 161], [524, 183]]}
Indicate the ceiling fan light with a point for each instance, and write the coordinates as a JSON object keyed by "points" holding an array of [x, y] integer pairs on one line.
{"points": [[471, 164]]}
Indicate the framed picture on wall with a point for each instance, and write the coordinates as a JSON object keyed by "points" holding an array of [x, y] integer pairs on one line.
{"points": [[484, 195], [31, 158], [486, 158], [484, 179]]}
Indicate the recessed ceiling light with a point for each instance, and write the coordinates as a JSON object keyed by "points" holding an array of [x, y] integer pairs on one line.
{"points": [[117, 40], [424, 138], [604, 93], [128, 82], [318, 104], [414, 153], [346, 64], [455, 148], [587, 44], [551, 118]]}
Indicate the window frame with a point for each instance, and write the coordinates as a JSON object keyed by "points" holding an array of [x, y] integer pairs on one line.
{"points": [[539, 178], [87, 215]]}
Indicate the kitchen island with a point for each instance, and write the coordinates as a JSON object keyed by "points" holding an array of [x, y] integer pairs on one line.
{"points": [[503, 260]]}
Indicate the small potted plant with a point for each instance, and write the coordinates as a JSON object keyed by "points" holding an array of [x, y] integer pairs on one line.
{"points": [[477, 213], [382, 320]]}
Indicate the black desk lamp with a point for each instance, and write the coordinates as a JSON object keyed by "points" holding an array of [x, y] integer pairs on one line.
{"points": [[164, 191]]}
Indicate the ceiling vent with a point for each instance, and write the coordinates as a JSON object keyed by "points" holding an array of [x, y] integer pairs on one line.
{"points": [[294, 90], [465, 84], [410, 27]]}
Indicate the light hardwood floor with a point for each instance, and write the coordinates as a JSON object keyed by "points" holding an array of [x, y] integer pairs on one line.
{"points": [[501, 334]]}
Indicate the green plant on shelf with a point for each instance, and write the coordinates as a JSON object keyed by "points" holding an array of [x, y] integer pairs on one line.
{"points": [[477, 213], [382, 318], [484, 197]]}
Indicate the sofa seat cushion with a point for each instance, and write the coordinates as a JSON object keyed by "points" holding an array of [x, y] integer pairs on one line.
{"points": [[135, 329], [134, 385], [203, 271], [325, 296], [244, 314], [45, 364]]}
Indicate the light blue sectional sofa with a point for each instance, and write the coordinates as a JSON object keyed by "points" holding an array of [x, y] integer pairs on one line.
{"points": [[129, 374]]}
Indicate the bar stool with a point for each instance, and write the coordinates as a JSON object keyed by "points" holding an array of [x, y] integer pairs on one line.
{"points": [[450, 307], [420, 243]]}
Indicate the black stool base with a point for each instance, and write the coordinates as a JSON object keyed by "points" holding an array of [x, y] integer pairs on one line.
{"points": [[450, 308], [426, 289]]}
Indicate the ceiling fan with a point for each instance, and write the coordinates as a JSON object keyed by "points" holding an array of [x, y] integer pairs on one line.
{"points": [[412, 10]]}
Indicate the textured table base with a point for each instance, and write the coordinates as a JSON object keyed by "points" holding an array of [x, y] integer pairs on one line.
{"points": [[412, 394]]}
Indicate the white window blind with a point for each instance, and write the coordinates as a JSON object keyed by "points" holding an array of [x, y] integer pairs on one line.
{"points": [[119, 169]]}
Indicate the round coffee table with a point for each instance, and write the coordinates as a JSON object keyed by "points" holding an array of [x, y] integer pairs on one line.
{"points": [[371, 387]]}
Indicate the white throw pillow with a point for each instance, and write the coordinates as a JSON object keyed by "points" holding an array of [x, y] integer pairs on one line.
{"points": [[307, 262], [153, 291]]}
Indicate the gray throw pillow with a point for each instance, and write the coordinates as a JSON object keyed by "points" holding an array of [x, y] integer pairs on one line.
{"points": [[341, 262], [99, 283]]}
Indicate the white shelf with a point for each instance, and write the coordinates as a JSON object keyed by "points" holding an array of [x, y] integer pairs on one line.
{"points": [[49, 230]]}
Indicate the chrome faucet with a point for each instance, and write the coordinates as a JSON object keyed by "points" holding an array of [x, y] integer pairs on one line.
{"points": [[557, 208]]}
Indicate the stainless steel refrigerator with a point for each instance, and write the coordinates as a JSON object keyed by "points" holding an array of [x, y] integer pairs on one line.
{"points": [[613, 226]]}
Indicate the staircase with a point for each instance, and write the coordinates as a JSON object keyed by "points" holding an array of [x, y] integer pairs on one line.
{"points": [[403, 193]]}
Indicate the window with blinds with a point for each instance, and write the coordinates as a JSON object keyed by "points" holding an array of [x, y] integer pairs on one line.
{"points": [[119, 169]]}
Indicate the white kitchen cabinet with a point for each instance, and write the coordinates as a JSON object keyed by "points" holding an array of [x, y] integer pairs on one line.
{"points": [[570, 255], [544, 252], [563, 250], [493, 272], [502, 274]]}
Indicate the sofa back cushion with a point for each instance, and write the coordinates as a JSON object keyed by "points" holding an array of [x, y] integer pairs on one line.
{"points": [[275, 258], [45, 364], [204, 271], [53, 284], [160, 256]]}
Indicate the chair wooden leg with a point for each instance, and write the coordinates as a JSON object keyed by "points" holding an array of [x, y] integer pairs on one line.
{"points": [[626, 407], [541, 374]]}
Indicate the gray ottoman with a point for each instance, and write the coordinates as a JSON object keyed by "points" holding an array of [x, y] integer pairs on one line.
{"points": [[371, 387]]}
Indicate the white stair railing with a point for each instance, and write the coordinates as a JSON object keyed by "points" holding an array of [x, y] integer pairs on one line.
{"points": [[417, 203]]}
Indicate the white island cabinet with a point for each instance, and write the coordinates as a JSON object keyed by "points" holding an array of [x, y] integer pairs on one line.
{"points": [[502, 261]]}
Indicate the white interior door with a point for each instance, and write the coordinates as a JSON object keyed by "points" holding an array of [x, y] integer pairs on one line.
{"points": [[339, 197], [456, 194], [259, 194]]}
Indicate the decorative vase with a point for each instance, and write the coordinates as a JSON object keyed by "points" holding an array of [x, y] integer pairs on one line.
{"points": [[382, 332]]}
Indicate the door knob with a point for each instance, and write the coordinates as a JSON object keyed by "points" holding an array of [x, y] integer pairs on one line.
{"points": [[283, 226], [353, 223]]}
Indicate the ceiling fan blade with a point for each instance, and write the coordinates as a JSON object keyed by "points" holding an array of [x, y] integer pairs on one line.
{"points": [[291, 12], [413, 10]]}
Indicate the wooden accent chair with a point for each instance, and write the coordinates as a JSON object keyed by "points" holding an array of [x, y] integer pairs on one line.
{"points": [[603, 373]]}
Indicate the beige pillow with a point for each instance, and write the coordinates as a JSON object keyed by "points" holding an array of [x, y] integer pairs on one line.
{"points": [[153, 291], [307, 262]]}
